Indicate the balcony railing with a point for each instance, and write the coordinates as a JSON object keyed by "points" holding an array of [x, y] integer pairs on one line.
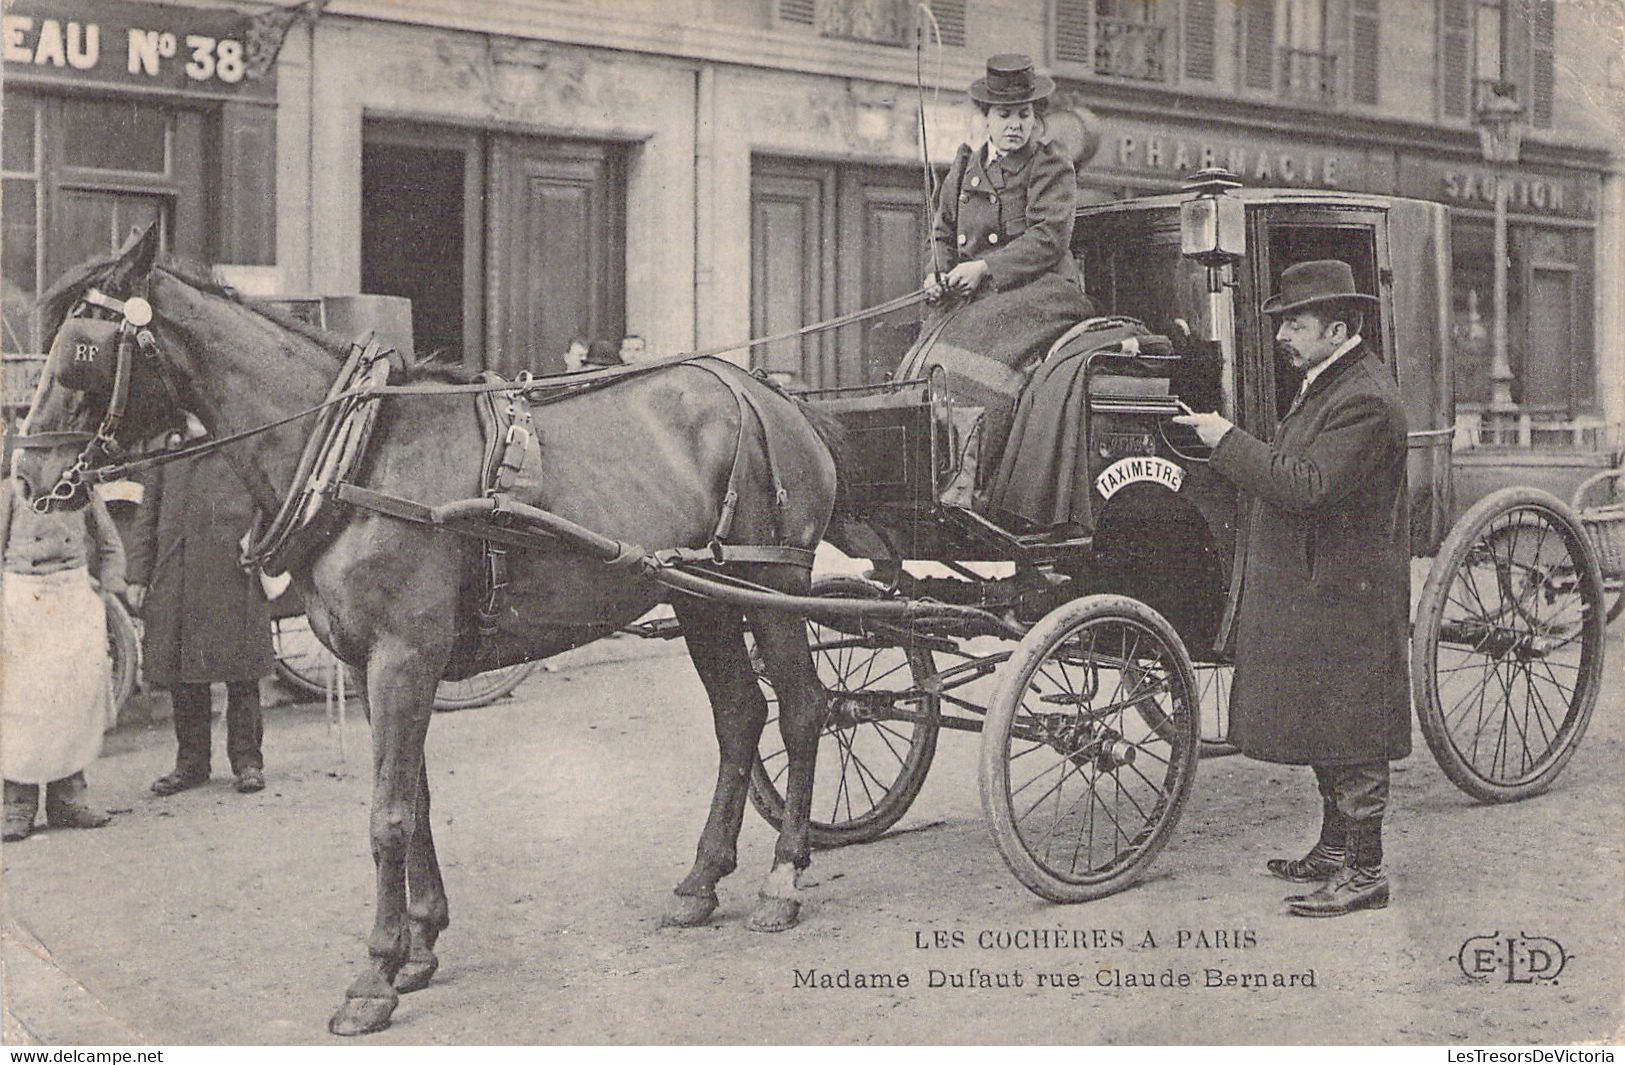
{"points": [[1308, 76], [1127, 48]]}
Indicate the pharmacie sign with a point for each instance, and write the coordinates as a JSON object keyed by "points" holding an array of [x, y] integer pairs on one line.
{"points": [[118, 44], [1153, 149]]}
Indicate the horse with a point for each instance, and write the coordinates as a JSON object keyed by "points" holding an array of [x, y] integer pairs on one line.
{"points": [[647, 460]]}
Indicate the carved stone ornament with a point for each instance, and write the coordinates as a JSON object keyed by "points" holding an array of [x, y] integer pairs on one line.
{"points": [[875, 21]]}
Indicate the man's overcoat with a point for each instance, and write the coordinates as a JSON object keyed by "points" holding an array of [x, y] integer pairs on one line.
{"points": [[206, 620], [1323, 624]]}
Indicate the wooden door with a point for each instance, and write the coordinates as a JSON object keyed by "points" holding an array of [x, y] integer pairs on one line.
{"points": [[883, 250], [555, 250], [792, 237], [828, 239]]}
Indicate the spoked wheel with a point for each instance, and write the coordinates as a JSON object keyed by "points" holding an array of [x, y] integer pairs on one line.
{"points": [[305, 665], [1507, 646], [1213, 697], [1090, 748], [123, 650], [878, 735]]}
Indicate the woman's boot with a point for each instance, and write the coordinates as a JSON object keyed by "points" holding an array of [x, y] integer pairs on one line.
{"points": [[22, 802]]}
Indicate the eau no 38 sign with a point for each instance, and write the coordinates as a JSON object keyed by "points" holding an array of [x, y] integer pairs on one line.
{"points": [[117, 43]]}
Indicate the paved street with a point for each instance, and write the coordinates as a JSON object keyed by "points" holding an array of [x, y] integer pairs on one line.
{"points": [[565, 814]]}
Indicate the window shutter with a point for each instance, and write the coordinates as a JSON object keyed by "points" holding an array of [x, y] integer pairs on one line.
{"points": [[1455, 57], [1199, 34], [950, 15], [1365, 51], [796, 12], [1543, 34], [1072, 31], [247, 183], [1258, 44]]}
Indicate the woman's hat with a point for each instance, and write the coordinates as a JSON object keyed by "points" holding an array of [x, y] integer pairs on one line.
{"points": [[1313, 282], [1011, 80]]}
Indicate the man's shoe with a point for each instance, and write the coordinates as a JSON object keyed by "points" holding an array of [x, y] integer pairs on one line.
{"points": [[1356, 888], [179, 780], [65, 805], [250, 779], [1321, 863]]}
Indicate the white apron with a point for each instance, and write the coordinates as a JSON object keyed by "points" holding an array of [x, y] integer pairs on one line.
{"points": [[56, 693]]}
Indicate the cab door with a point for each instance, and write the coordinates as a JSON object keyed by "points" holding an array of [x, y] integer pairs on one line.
{"points": [[1283, 236]]}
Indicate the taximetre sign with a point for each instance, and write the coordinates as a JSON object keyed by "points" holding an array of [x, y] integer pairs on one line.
{"points": [[1125, 472]]}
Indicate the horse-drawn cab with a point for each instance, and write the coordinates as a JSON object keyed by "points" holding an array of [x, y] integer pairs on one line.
{"points": [[1150, 520]]}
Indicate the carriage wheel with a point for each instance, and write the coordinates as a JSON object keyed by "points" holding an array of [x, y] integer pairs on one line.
{"points": [[1090, 747], [305, 665], [123, 650], [1507, 647], [1213, 697], [872, 761]]}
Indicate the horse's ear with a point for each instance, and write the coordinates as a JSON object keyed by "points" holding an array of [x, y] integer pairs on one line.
{"points": [[141, 250], [135, 258]]}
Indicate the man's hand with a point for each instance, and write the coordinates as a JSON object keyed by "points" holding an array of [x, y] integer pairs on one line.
{"points": [[134, 596], [1211, 426]]}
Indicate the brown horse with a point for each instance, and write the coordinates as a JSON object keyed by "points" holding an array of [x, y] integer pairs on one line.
{"points": [[646, 461]]}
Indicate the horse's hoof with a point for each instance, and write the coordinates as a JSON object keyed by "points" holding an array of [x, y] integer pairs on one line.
{"points": [[774, 914], [359, 1016], [687, 911], [416, 974]]}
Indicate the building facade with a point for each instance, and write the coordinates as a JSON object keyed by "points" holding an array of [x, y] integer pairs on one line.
{"points": [[696, 172]]}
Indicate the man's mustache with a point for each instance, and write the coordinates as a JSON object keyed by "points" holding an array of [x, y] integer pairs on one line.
{"points": [[1286, 351]]}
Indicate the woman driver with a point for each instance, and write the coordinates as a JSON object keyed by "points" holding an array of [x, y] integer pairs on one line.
{"points": [[1001, 239]]}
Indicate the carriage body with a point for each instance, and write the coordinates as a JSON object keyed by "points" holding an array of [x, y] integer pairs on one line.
{"points": [[1162, 527]]}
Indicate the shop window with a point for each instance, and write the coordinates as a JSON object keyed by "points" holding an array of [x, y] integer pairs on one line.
{"points": [[19, 225], [79, 173], [1489, 46], [1546, 394]]}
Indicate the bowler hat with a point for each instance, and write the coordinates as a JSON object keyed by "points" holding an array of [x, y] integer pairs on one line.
{"points": [[1010, 80], [603, 353], [1314, 282]]}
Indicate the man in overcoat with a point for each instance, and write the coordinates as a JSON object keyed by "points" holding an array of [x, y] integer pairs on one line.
{"points": [[1323, 619], [206, 619]]}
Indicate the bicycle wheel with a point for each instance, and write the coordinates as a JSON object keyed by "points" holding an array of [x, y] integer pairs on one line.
{"points": [[123, 650]]}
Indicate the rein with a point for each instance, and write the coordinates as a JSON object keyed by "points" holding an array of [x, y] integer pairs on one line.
{"points": [[137, 313]]}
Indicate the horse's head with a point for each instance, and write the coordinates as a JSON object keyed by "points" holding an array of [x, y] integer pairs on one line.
{"points": [[103, 389]]}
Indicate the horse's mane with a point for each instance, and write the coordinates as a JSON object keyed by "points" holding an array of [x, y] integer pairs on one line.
{"points": [[59, 300]]}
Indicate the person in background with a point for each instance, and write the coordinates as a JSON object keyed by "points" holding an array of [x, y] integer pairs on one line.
{"points": [[206, 617], [1323, 623], [632, 348], [56, 697], [603, 353], [575, 356]]}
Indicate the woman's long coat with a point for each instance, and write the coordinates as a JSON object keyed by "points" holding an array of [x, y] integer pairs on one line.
{"points": [[1324, 619], [206, 619]]}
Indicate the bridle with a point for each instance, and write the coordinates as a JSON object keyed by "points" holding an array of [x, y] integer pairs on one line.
{"points": [[102, 447]]}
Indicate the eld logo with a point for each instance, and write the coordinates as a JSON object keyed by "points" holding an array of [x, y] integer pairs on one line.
{"points": [[1520, 959]]}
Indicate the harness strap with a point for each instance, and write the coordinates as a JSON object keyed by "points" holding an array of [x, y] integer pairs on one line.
{"points": [[489, 519]]}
